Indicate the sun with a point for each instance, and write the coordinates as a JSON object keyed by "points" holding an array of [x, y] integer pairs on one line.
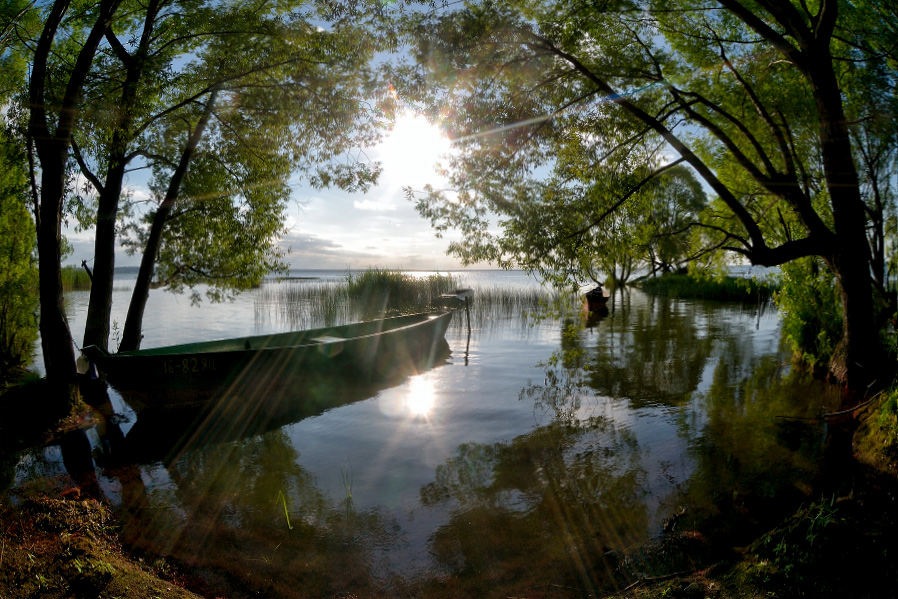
{"points": [[414, 147]]}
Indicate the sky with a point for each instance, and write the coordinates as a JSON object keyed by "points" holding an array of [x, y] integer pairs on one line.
{"points": [[331, 229]]}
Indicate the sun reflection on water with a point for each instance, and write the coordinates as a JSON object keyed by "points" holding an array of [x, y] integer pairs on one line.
{"points": [[421, 396]]}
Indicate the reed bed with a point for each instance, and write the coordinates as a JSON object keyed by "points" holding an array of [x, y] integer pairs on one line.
{"points": [[395, 291], [524, 305], [75, 278], [375, 293]]}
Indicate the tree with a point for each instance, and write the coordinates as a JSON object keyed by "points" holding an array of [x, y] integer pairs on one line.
{"points": [[18, 272], [223, 107], [54, 102], [749, 95]]}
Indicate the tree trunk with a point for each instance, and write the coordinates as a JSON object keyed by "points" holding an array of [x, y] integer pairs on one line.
{"points": [[858, 358], [132, 335], [56, 338], [96, 331], [99, 310], [52, 150]]}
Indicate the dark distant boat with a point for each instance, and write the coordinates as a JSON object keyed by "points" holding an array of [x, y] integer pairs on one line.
{"points": [[596, 299], [280, 364]]}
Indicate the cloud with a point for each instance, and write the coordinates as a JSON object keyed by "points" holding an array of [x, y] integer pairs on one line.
{"points": [[138, 193], [373, 206], [312, 245]]}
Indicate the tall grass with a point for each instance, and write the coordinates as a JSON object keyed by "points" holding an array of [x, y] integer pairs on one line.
{"points": [[377, 293], [730, 289], [304, 304], [75, 278], [387, 291]]}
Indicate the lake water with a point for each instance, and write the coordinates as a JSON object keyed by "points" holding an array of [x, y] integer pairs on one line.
{"points": [[534, 455]]}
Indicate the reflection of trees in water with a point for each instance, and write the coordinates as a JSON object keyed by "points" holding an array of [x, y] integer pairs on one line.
{"points": [[739, 409], [546, 506], [251, 520], [652, 353], [755, 442]]}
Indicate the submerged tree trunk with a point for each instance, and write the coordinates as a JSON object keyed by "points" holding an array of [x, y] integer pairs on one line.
{"points": [[132, 334]]}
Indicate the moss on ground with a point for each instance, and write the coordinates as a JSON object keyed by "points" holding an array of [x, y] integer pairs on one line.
{"points": [[69, 548]]}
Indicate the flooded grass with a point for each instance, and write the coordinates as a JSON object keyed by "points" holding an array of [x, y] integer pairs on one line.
{"points": [[75, 278], [379, 293], [729, 289], [395, 290]]}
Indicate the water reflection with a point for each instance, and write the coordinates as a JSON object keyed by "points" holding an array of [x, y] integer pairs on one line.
{"points": [[164, 434], [728, 427], [558, 499], [661, 422], [421, 397], [755, 436], [550, 456], [252, 520]]}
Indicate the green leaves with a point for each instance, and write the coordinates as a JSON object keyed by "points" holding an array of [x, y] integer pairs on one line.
{"points": [[295, 99], [18, 271]]}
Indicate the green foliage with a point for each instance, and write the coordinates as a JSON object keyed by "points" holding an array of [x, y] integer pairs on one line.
{"points": [[288, 99], [391, 290], [876, 440], [700, 287], [75, 278], [18, 271], [792, 554], [809, 300], [887, 421], [568, 118]]}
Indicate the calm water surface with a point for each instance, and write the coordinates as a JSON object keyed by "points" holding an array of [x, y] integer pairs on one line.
{"points": [[535, 449]]}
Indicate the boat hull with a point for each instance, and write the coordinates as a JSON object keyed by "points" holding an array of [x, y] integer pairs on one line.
{"points": [[274, 365]]}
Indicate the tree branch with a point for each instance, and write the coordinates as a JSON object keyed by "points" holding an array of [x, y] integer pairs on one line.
{"points": [[85, 170]]}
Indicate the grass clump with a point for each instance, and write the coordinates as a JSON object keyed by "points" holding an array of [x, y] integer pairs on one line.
{"points": [[392, 290], [728, 289], [75, 278]]}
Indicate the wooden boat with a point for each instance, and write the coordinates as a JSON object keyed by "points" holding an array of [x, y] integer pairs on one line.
{"points": [[192, 374]]}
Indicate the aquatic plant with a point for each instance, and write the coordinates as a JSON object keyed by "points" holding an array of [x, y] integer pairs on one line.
{"points": [[392, 290], [687, 286], [75, 278], [346, 475], [375, 293], [283, 499]]}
